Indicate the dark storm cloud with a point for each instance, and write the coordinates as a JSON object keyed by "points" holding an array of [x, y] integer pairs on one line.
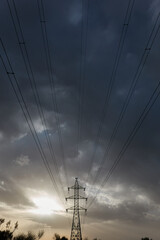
{"points": [[140, 165], [127, 211], [104, 25]]}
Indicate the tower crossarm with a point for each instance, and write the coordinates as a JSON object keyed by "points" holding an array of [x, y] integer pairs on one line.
{"points": [[79, 208], [76, 187], [73, 197]]}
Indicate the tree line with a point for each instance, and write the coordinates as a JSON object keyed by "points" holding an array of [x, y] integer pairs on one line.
{"points": [[7, 231]]}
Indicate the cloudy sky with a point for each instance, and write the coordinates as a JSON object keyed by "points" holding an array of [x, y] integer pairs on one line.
{"points": [[79, 89]]}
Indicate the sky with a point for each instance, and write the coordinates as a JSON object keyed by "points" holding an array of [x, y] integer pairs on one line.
{"points": [[79, 98]]}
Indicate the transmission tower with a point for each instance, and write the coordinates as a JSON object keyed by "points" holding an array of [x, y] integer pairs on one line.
{"points": [[76, 225]]}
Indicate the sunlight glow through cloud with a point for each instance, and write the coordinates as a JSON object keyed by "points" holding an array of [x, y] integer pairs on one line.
{"points": [[45, 206]]}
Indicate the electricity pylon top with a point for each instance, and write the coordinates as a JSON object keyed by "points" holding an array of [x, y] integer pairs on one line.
{"points": [[76, 225]]}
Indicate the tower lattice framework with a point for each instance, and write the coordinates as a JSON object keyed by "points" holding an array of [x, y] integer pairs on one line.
{"points": [[76, 233]]}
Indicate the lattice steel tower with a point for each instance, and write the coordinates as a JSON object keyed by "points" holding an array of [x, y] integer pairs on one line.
{"points": [[76, 225]]}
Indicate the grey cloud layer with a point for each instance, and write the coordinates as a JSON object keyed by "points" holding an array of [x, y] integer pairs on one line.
{"points": [[140, 166]]}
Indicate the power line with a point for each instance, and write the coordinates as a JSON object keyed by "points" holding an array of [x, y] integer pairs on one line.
{"points": [[26, 59], [111, 81], [51, 72], [83, 55], [134, 82], [151, 101], [18, 93]]}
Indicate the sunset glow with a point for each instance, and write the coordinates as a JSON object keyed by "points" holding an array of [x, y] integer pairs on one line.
{"points": [[45, 206]]}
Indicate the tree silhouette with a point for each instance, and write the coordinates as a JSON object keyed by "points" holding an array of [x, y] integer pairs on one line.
{"points": [[7, 233], [146, 238], [64, 238], [57, 237], [29, 236]]}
